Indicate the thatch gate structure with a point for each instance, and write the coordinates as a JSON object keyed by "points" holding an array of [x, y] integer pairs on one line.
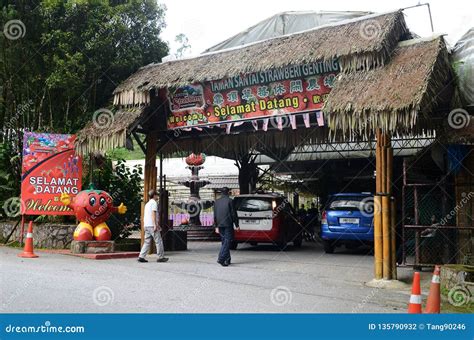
{"points": [[388, 84]]}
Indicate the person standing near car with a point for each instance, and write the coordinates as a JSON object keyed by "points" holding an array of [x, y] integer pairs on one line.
{"points": [[152, 229], [313, 220], [225, 217]]}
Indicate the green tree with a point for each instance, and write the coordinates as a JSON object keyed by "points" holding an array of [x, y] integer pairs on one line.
{"points": [[60, 61], [71, 56]]}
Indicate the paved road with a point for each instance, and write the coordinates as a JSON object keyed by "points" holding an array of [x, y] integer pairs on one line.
{"points": [[261, 279]]}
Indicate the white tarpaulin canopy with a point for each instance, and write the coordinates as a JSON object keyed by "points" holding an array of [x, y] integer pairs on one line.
{"points": [[285, 23], [463, 57]]}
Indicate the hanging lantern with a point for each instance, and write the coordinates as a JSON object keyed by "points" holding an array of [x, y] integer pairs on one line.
{"points": [[195, 160]]}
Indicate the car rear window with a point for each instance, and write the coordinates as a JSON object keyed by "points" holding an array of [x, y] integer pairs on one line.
{"points": [[349, 203], [252, 204]]}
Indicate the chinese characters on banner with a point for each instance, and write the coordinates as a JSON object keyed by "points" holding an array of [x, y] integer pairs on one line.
{"points": [[280, 91], [49, 168]]}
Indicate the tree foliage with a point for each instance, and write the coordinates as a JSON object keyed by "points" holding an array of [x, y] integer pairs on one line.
{"points": [[124, 184], [60, 61], [70, 57]]}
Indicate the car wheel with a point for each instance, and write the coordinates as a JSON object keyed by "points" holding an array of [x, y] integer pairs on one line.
{"points": [[233, 245], [328, 247]]}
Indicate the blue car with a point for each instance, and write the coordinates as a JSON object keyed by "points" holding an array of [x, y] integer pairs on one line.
{"points": [[348, 219]]}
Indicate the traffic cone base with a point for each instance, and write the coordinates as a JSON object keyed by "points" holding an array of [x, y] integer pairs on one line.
{"points": [[28, 250]]}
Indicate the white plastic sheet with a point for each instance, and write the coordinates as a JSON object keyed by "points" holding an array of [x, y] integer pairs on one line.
{"points": [[283, 24], [463, 58]]}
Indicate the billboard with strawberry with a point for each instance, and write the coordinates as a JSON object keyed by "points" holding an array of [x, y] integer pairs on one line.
{"points": [[50, 168]]}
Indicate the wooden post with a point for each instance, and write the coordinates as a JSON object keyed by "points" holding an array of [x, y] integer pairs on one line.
{"points": [[149, 180], [389, 174], [393, 212], [386, 207], [378, 250], [384, 233], [417, 232], [383, 159], [378, 164], [386, 238]]}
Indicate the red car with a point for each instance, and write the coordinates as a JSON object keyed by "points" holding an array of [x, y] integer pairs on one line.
{"points": [[266, 218]]}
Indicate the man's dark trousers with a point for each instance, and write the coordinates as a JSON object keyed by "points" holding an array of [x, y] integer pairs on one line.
{"points": [[227, 236]]}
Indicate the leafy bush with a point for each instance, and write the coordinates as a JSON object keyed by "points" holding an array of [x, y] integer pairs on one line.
{"points": [[124, 184], [9, 175]]}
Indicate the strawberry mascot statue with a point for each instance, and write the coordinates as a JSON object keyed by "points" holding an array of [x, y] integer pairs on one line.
{"points": [[92, 208]]}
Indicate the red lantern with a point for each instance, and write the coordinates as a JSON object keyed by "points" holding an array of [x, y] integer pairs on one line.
{"points": [[195, 160]]}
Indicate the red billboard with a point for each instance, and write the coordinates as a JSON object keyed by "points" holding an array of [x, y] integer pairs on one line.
{"points": [[50, 167], [279, 91]]}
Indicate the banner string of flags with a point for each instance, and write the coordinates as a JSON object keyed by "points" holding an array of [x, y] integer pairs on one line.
{"points": [[265, 121]]}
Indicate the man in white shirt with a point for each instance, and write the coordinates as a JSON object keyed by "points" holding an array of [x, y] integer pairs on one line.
{"points": [[152, 229]]}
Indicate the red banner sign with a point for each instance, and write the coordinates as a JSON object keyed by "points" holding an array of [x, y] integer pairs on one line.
{"points": [[286, 90], [50, 167]]}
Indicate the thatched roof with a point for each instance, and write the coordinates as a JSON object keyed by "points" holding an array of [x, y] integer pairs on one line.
{"points": [[385, 83], [396, 97], [107, 131], [361, 43]]}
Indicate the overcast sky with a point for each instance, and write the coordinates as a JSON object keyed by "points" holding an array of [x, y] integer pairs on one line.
{"points": [[208, 22]]}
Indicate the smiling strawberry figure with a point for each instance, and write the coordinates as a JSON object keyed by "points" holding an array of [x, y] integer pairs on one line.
{"points": [[92, 208]]}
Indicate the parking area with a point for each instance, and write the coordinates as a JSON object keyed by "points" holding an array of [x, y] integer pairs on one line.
{"points": [[260, 279]]}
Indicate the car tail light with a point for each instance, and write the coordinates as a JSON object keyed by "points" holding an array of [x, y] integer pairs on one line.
{"points": [[324, 219]]}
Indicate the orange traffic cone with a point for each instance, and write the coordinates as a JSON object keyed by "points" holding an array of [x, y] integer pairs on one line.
{"points": [[28, 250], [433, 304], [414, 307]]}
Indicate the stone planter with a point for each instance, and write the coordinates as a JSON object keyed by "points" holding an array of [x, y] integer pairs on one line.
{"points": [[45, 235], [457, 286]]}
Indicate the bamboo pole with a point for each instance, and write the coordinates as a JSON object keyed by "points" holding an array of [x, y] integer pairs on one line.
{"points": [[149, 178], [383, 176], [393, 217], [389, 174], [386, 239], [378, 250], [378, 168]]}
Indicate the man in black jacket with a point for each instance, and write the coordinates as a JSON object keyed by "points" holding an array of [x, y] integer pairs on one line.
{"points": [[225, 217]]}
